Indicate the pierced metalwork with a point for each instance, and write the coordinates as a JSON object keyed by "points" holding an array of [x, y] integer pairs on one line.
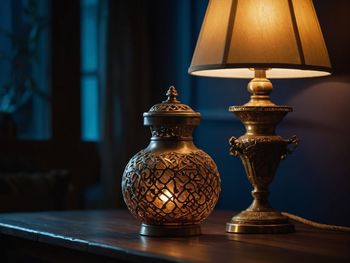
{"points": [[172, 104], [170, 107], [172, 132], [171, 188]]}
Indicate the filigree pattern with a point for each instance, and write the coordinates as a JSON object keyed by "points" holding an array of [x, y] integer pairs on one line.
{"points": [[260, 156], [174, 107], [176, 132], [259, 108], [248, 146], [165, 132], [170, 187]]}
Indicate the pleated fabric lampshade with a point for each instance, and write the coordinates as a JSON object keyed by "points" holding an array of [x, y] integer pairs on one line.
{"points": [[283, 36]]}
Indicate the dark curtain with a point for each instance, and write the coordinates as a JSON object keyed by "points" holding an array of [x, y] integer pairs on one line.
{"points": [[127, 92]]}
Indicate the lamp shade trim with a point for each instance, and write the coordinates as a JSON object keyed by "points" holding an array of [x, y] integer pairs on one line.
{"points": [[313, 71]]}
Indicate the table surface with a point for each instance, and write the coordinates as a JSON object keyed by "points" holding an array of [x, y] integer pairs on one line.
{"points": [[114, 234]]}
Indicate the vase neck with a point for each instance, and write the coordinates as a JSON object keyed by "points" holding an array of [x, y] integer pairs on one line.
{"points": [[172, 132]]}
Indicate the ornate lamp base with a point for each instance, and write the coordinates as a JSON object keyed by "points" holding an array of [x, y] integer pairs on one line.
{"points": [[260, 150], [170, 231]]}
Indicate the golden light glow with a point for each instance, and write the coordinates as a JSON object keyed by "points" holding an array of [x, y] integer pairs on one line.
{"points": [[239, 34], [165, 196], [274, 73], [263, 33]]}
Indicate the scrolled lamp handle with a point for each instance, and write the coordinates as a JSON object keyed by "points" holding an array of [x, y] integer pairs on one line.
{"points": [[294, 141], [236, 146]]}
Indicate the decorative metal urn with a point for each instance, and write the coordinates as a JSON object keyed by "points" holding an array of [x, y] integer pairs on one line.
{"points": [[171, 186]]}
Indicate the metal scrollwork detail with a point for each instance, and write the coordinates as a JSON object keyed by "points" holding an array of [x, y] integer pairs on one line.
{"points": [[165, 132], [236, 146], [248, 146], [171, 187], [176, 132], [170, 107], [294, 141], [260, 156]]}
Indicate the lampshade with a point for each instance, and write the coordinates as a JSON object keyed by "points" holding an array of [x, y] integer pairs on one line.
{"points": [[283, 36]]}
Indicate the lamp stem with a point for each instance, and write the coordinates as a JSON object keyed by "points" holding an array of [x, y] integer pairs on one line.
{"points": [[260, 73], [260, 88]]}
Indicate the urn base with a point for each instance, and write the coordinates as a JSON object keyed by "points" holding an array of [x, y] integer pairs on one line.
{"points": [[170, 231]]}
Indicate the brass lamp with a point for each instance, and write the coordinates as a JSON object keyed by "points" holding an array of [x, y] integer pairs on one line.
{"points": [[260, 39]]}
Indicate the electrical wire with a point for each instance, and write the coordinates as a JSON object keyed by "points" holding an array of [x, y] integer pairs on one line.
{"points": [[316, 224]]}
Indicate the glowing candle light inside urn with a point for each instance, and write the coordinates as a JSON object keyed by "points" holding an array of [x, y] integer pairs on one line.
{"points": [[166, 200], [166, 195]]}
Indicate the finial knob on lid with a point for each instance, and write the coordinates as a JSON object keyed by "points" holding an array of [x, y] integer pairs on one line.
{"points": [[171, 108], [172, 94]]}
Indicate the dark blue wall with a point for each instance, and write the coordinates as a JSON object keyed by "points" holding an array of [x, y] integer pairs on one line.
{"points": [[314, 181]]}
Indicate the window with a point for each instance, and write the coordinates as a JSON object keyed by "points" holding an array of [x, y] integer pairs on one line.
{"points": [[90, 61]]}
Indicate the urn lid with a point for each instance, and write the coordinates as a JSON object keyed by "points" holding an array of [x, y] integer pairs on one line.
{"points": [[171, 111]]}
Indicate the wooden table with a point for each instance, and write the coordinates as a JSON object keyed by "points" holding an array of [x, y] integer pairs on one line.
{"points": [[112, 236]]}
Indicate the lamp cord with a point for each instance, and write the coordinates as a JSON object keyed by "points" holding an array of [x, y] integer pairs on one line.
{"points": [[316, 224]]}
